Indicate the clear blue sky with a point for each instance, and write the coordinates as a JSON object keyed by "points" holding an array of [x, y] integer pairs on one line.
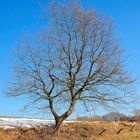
{"points": [[19, 16]]}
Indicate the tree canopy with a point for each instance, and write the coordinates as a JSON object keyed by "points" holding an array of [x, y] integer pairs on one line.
{"points": [[76, 58]]}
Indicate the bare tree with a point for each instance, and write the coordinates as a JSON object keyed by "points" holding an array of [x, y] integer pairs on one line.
{"points": [[113, 116], [136, 112], [76, 59]]}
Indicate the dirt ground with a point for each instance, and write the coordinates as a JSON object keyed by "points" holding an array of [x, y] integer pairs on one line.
{"points": [[76, 131]]}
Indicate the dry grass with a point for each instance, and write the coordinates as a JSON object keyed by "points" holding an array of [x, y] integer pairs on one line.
{"points": [[75, 131], [128, 136]]}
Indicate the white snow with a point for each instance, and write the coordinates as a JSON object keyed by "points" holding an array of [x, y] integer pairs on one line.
{"points": [[7, 127], [7, 123]]}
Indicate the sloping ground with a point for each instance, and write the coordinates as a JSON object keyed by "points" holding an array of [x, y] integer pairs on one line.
{"points": [[75, 131]]}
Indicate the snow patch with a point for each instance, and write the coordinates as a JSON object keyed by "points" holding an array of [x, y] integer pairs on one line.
{"points": [[8, 123]]}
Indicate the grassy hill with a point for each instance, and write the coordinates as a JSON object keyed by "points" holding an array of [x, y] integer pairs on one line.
{"points": [[84, 130]]}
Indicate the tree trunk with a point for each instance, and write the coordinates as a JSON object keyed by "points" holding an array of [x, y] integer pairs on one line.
{"points": [[58, 122], [63, 117]]}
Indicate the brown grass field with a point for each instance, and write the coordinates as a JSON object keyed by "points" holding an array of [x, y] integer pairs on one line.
{"points": [[76, 131]]}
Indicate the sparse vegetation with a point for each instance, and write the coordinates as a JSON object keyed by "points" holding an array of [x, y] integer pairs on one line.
{"points": [[75, 131]]}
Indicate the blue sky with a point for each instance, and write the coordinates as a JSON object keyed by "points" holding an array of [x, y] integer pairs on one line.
{"points": [[19, 16]]}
